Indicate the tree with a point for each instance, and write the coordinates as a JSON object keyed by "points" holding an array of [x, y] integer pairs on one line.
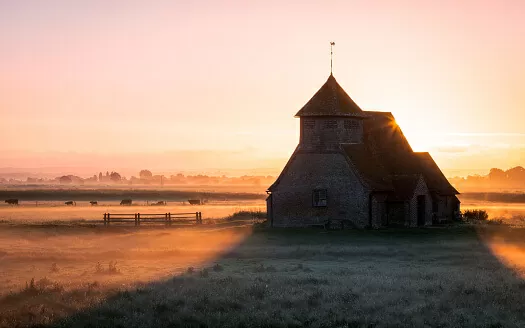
{"points": [[497, 175], [100, 176], [115, 177], [65, 179], [516, 174], [145, 174]]}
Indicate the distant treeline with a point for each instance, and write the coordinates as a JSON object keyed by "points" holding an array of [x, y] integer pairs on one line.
{"points": [[499, 197], [511, 179], [145, 177], [117, 195]]}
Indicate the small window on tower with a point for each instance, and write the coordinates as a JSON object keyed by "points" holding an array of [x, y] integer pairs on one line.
{"points": [[309, 124], [351, 124], [319, 198], [330, 124]]}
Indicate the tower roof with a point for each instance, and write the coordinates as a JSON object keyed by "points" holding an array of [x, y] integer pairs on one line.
{"points": [[330, 100]]}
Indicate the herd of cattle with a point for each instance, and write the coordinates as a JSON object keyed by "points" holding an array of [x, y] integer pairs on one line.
{"points": [[14, 201]]}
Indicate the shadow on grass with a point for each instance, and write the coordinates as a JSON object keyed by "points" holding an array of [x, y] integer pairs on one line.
{"points": [[446, 277]]}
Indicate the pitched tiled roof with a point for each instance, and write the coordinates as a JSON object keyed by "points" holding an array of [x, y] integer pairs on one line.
{"points": [[434, 178], [368, 166], [386, 159], [404, 186], [382, 133], [285, 169], [330, 100]]}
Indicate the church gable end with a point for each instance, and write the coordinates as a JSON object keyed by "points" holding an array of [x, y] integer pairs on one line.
{"points": [[316, 188]]}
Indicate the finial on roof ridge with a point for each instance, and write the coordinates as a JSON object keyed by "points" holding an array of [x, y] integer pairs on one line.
{"points": [[331, 55]]}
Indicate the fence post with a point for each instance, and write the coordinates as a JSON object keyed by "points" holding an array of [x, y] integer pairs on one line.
{"points": [[199, 218], [104, 218], [108, 218], [169, 217], [138, 218]]}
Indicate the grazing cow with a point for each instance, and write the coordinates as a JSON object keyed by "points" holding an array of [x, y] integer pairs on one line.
{"points": [[125, 202], [12, 201], [161, 202], [194, 201], [93, 202], [70, 203]]}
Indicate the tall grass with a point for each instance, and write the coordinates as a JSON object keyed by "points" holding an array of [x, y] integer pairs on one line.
{"points": [[300, 278]]}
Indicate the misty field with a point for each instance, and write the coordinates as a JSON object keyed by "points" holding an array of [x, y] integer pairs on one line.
{"points": [[57, 212], [46, 205], [240, 277]]}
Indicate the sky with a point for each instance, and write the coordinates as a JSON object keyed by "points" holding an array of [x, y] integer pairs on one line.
{"points": [[215, 84]]}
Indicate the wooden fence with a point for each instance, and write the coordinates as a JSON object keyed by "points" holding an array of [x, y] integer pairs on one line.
{"points": [[167, 218]]}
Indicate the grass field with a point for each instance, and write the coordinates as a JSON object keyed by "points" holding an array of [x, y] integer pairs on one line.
{"points": [[236, 277]]}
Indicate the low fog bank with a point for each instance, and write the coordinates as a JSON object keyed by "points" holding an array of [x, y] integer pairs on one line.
{"points": [[499, 197]]}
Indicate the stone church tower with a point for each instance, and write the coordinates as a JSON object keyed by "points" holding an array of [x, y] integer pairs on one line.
{"points": [[317, 183], [329, 119]]}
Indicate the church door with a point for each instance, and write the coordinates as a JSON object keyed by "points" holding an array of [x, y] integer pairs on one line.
{"points": [[421, 210]]}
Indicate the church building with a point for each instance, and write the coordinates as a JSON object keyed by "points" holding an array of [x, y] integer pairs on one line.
{"points": [[355, 168]]}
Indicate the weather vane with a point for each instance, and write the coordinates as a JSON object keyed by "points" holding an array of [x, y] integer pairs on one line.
{"points": [[331, 55]]}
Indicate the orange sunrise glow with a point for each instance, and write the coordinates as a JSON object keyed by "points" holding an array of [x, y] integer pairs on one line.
{"points": [[145, 84]]}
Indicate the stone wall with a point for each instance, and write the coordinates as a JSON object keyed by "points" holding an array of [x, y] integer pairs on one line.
{"points": [[446, 207], [292, 198], [379, 211], [451, 206], [397, 214], [327, 133]]}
